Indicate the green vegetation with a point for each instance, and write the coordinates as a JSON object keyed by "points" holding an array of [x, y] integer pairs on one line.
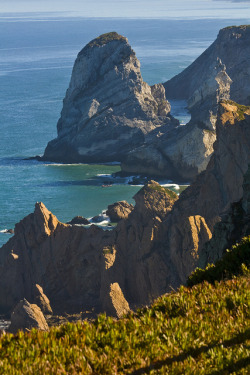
{"points": [[164, 190], [234, 262], [105, 38], [241, 109], [198, 330], [202, 330], [238, 27]]}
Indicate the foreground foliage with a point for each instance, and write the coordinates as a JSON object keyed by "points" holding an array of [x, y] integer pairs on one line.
{"points": [[234, 262], [199, 330]]}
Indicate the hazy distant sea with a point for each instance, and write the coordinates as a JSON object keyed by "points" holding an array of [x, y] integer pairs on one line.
{"points": [[37, 52]]}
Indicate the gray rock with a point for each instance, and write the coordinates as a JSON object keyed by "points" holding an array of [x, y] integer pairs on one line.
{"points": [[26, 316], [108, 109], [232, 47]]}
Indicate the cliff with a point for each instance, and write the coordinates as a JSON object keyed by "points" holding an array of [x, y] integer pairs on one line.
{"points": [[155, 248], [232, 48], [108, 109]]}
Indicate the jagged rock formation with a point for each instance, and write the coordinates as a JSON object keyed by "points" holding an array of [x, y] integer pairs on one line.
{"points": [[232, 48], [203, 104], [26, 316], [211, 194], [156, 247], [78, 267], [108, 109]]}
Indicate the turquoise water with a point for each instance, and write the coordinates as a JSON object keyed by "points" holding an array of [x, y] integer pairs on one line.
{"points": [[37, 53]]}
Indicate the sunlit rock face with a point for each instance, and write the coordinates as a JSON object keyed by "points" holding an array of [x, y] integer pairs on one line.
{"points": [[108, 109]]}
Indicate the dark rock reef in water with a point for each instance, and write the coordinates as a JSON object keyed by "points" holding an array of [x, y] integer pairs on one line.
{"points": [[108, 109], [155, 248]]}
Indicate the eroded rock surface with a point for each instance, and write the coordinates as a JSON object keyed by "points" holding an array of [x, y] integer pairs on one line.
{"points": [[108, 109], [76, 266]]}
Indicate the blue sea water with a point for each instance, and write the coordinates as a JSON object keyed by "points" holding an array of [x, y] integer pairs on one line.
{"points": [[37, 52]]}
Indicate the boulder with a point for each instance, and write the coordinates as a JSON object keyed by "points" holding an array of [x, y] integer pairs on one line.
{"points": [[119, 210], [26, 316], [79, 220]]}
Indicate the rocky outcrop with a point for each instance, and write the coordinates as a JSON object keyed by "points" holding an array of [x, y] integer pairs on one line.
{"points": [[234, 225], [119, 210], [155, 248], [108, 109], [203, 104], [232, 48], [79, 220], [41, 300], [212, 193], [179, 155], [26, 316], [76, 266]]}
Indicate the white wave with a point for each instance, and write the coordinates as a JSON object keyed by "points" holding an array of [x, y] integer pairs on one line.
{"points": [[104, 175], [4, 72], [61, 164], [175, 186], [5, 231], [103, 223], [112, 163]]}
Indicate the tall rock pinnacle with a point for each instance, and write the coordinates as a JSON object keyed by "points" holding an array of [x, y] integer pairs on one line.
{"points": [[108, 109]]}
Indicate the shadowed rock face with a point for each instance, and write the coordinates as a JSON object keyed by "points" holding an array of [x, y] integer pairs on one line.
{"points": [[155, 248], [108, 109], [232, 48]]}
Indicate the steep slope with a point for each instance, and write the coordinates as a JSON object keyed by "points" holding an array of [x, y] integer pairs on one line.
{"points": [[178, 334], [232, 48], [108, 109], [210, 196]]}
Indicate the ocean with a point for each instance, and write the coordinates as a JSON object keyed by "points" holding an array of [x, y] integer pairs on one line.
{"points": [[37, 52]]}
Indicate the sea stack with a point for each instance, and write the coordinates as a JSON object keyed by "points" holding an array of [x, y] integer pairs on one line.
{"points": [[108, 109]]}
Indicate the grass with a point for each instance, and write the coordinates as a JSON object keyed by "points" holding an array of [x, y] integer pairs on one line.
{"points": [[200, 330], [241, 109], [161, 189]]}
